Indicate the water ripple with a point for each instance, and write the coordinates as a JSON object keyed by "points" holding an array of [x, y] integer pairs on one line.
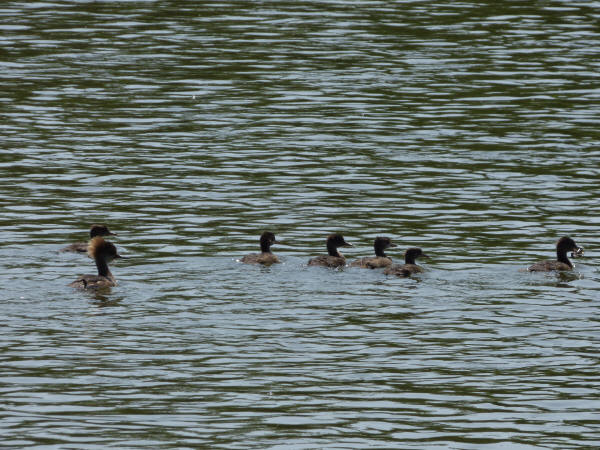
{"points": [[465, 129]]}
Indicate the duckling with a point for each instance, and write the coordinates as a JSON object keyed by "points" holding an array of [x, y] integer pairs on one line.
{"points": [[409, 267], [565, 244], [102, 252], [265, 257], [334, 258], [380, 259], [82, 247]]}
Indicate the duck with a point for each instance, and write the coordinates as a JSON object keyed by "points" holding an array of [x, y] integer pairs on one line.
{"points": [[334, 258], [265, 257], [103, 252], [380, 259], [82, 247], [409, 267], [563, 245]]}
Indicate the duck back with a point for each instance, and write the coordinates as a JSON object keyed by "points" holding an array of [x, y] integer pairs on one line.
{"points": [[403, 270], [328, 261], [93, 282], [260, 258], [77, 247], [372, 262], [548, 266]]}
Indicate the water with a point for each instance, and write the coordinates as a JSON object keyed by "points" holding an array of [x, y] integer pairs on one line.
{"points": [[467, 129]]}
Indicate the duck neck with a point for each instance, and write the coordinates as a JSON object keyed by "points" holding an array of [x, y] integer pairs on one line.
{"points": [[380, 252], [561, 255], [103, 269], [332, 250], [265, 247], [409, 258]]}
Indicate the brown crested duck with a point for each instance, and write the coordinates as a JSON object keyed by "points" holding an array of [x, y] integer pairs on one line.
{"points": [[82, 247], [103, 252]]}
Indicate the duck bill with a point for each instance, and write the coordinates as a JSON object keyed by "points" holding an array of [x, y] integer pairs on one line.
{"points": [[347, 244], [578, 252], [393, 245]]}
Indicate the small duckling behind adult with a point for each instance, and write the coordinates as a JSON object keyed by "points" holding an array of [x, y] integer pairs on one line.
{"points": [[565, 244], [380, 259], [334, 258], [82, 247], [265, 257], [102, 252], [409, 267]]}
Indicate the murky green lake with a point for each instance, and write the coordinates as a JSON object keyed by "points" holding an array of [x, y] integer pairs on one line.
{"points": [[469, 129]]}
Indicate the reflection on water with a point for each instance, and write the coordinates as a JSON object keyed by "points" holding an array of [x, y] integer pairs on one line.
{"points": [[466, 129]]}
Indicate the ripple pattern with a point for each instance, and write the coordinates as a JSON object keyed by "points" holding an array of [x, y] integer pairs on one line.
{"points": [[466, 128]]}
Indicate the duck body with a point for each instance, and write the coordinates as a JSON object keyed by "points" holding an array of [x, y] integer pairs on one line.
{"points": [[334, 258], [561, 263], [265, 257], [409, 267], [380, 259], [549, 265], [260, 258], [82, 247], [77, 247], [372, 262], [102, 252], [93, 282], [327, 261], [403, 270]]}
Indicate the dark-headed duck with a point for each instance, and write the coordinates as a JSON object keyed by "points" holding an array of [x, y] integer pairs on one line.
{"points": [[409, 267], [102, 252], [564, 245], [265, 257], [380, 259], [82, 247], [333, 258]]}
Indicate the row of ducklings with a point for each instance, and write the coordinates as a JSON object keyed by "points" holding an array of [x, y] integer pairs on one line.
{"points": [[103, 252], [335, 259]]}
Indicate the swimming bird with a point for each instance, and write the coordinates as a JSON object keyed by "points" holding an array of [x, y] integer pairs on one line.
{"points": [[409, 267], [265, 256], [334, 258], [380, 259], [103, 252], [565, 244], [82, 247]]}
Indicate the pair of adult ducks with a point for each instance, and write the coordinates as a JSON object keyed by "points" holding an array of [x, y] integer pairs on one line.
{"points": [[103, 252], [335, 259]]}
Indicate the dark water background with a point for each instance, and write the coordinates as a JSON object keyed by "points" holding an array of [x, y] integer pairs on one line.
{"points": [[467, 128]]}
